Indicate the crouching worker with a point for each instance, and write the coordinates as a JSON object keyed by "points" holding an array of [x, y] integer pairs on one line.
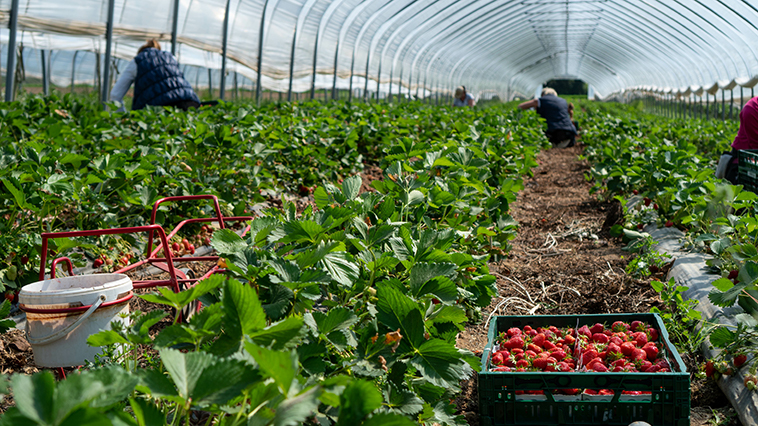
{"points": [[560, 130], [747, 138], [157, 79]]}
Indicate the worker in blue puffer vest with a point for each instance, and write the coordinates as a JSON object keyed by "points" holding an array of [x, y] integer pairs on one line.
{"points": [[157, 80]]}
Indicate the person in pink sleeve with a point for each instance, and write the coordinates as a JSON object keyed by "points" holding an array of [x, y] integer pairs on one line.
{"points": [[747, 137]]}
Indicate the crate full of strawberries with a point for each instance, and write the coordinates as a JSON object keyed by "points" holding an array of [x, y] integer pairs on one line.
{"points": [[582, 370]]}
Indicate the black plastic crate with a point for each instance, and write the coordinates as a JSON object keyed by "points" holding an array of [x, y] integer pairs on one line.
{"points": [[500, 401], [748, 169]]}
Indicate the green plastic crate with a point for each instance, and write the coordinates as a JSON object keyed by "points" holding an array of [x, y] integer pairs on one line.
{"points": [[748, 169], [499, 405]]}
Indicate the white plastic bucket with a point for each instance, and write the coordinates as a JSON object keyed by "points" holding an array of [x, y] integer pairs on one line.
{"points": [[61, 313]]}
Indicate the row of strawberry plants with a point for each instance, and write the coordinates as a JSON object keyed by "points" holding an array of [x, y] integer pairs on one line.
{"points": [[69, 165], [346, 313], [670, 164]]}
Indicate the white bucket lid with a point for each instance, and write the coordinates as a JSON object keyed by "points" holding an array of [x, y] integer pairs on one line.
{"points": [[85, 289]]}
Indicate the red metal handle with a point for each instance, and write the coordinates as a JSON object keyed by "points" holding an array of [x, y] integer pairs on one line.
{"points": [[76, 309], [129, 230], [55, 265], [217, 207]]}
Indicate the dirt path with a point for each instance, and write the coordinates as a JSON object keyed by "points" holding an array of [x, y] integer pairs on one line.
{"points": [[564, 262]]}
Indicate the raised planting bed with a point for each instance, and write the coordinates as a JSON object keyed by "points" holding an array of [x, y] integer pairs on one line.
{"points": [[593, 382]]}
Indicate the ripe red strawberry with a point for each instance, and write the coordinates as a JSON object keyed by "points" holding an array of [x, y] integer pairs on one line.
{"points": [[555, 330], [600, 338], [651, 351], [569, 340], [739, 360], [522, 363], [514, 342], [175, 246], [597, 328], [514, 331], [627, 348], [639, 338], [534, 348], [558, 354], [652, 335], [588, 356], [599, 367], [584, 331], [733, 274], [540, 363], [655, 206], [619, 326], [647, 201], [638, 354], [497, 358], [605, 392], [637, 326], [669, 224], [530, 354], [548, 345], [539, 339], [502, 369], [652, 369], [97, 263]]}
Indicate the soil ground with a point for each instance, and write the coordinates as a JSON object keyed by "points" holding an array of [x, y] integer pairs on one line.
{"points": [[564, 261]]}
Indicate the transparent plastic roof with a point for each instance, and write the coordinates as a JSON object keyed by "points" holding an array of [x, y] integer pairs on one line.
{"points": [[501, 47]]}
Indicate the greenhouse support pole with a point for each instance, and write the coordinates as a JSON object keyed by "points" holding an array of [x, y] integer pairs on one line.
{"points": [[366, 97], [174, 26], [731, 104], [336, 63], [260, 54], [105, 88], [707, 106], [236, 87], [224, 42], [350, 85], [73, 71], [315, 64], [10, 68], [723, 105], [742, 96], [45, 73], [292, 64], [210, 83]]}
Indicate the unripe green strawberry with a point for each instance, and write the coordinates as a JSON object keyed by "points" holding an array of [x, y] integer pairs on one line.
{"points": [[11, 273]]}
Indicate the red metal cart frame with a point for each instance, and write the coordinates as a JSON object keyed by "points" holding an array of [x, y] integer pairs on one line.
{"points": [[177, 279]]}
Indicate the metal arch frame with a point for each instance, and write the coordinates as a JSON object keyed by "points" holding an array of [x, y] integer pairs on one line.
{"points": [[675, 30], [449, 37], [365, 27], [351, 18], [323, 23], [709, 34], [442, 33], [261, 41], [410, 36], [736, 31], [304, 11], [224, 43], [381, 31], [651, 44], [705, 46]]}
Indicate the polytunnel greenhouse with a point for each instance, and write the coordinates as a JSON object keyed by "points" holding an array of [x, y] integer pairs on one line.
{"points": [[378, 212], [372, 49]]}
